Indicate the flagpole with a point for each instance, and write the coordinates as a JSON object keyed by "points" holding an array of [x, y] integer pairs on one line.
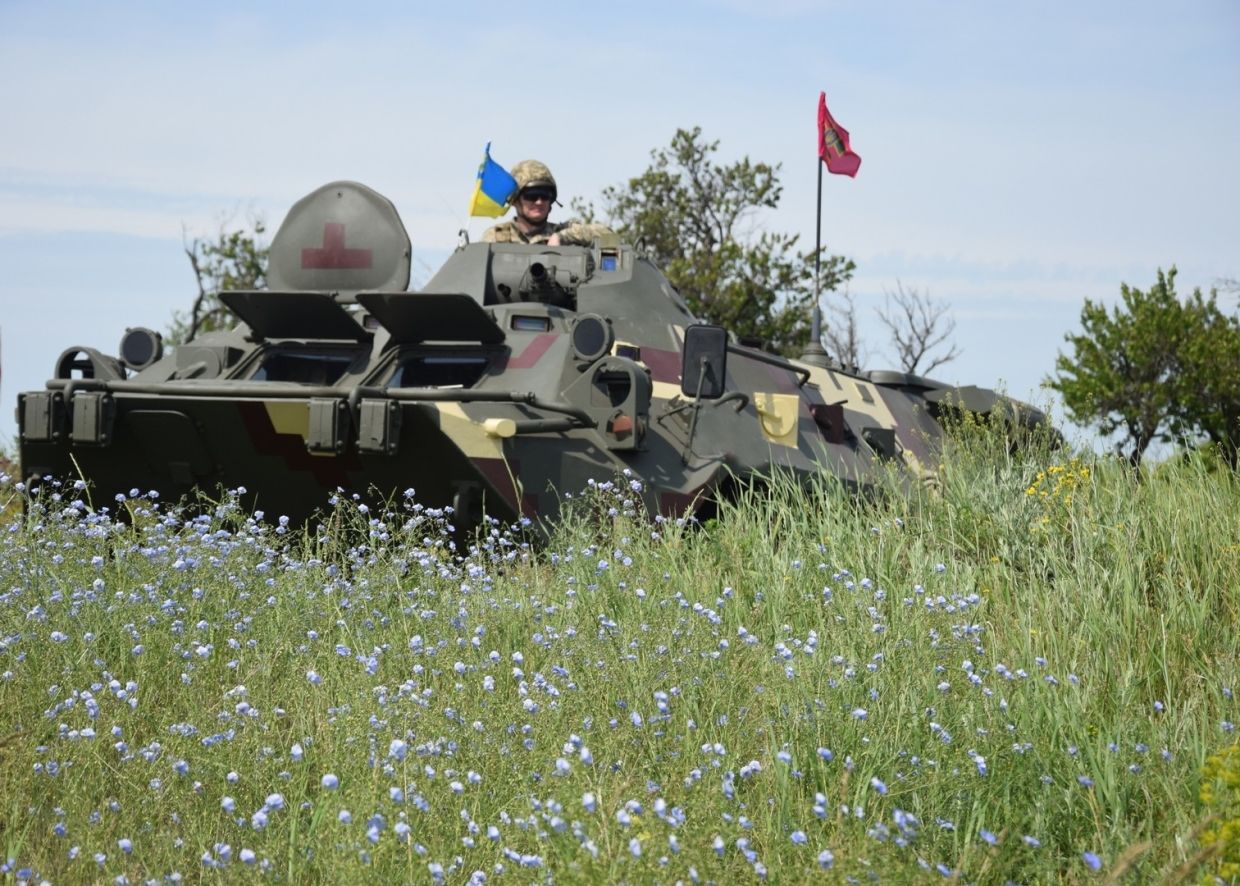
{"points": [[814, 351]]}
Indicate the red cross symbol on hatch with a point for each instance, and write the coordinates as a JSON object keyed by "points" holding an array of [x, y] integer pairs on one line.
{"points": [[333, 255]]}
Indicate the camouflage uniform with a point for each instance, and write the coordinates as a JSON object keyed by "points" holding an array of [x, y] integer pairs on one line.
{"points": [[533, 173], [571, 233]]}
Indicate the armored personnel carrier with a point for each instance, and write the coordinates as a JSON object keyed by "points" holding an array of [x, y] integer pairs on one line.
{"points": [[518, 373]]}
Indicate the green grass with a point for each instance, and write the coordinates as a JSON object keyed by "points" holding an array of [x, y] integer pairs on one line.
{"points": [[1044, 649]]}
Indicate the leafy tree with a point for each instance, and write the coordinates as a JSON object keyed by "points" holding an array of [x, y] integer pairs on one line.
{"points": [[235, 258], [1155, 368], [1208, 403], [699, 221]]}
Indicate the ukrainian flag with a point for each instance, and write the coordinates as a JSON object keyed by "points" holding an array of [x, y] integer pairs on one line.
{"points": [[493, 189]]}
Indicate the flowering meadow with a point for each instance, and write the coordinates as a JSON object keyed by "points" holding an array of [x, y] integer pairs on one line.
{"points": [[1026, 674]]}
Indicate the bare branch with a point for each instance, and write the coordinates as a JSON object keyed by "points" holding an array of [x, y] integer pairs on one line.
{"points": [[918, 325], [192, 251], [840, 333]]}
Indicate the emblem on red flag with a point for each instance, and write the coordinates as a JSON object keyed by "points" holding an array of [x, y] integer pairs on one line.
{"points": [[833, 145]]}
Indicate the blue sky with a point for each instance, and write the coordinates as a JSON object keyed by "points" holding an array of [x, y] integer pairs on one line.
{"points": [[1018, 157]]}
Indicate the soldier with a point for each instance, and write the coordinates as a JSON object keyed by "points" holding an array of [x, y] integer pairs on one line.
{"points": [[536, 192]]}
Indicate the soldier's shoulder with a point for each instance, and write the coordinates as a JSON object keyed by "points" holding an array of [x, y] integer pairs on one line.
{"points": [[499, 233]]}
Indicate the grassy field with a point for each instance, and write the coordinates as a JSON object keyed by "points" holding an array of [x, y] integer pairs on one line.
{"points": [[1025, 675]]}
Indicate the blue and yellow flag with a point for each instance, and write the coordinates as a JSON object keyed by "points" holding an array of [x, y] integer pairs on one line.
{"points": [[493, 188]]}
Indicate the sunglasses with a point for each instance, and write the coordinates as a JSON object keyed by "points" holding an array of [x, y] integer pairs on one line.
{"points": [[536, 196]]}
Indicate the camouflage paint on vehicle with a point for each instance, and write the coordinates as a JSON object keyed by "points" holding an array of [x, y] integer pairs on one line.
{"points": [[518, 373]]}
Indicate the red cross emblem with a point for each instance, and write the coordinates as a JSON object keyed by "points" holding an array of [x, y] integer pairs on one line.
{"points": [[333, 254]]}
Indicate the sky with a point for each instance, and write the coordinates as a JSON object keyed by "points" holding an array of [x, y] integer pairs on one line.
{"points": [[1018, 158]]}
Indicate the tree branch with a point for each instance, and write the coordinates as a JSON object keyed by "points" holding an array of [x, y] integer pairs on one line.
{"points": [[918, 325]]}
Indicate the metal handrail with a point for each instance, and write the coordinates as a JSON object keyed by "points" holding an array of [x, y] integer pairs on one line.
{"points": [[292, 391]]}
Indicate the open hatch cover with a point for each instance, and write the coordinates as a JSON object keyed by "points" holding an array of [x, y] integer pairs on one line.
{"points": [[416, 317], [294, 315]]}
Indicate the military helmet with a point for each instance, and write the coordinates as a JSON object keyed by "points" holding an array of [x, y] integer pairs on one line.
{"points": [[530, 173]]}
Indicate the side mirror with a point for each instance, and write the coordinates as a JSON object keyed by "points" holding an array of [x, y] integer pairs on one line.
{"points": [[705, 365]]}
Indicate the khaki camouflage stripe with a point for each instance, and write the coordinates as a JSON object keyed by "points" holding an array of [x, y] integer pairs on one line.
{"points": [[866, 398]]}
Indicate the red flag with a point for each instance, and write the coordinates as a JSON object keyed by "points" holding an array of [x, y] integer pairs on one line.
{"points": [[833, 145]]}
